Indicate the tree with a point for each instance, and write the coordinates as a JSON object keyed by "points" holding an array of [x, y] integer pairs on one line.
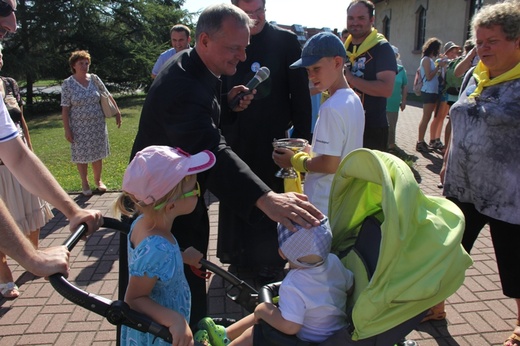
{"points": [[123, 37]]}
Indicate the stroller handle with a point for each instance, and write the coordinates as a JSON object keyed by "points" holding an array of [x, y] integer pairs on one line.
{"points": [[116, 312], [238, 290]]}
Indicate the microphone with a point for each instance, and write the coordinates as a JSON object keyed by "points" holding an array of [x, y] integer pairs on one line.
{"points": [[261, 75]]}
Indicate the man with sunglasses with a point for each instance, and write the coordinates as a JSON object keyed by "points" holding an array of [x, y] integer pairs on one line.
{"points": [[281, 102], [37, 179]]}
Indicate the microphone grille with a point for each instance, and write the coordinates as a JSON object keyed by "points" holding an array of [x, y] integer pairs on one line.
{"points": [[263, 73]]}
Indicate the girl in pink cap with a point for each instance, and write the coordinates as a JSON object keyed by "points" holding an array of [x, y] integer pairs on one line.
{"points": [[161, 182]]}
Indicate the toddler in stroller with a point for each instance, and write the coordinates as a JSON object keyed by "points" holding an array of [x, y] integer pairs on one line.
{"points": [[312, 297], [402, 246]]}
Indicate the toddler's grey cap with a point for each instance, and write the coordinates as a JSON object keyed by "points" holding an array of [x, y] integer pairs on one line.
{"points": [[304, 242]]}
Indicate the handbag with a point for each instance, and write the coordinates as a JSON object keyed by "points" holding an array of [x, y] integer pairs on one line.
{"points": [[109, 108], [8, 93]]}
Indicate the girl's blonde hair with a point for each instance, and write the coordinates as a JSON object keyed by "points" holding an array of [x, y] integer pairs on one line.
{"points": [[121, 205]]}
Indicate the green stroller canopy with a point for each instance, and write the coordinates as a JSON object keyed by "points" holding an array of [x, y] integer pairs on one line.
{"points": [[421, 261]]}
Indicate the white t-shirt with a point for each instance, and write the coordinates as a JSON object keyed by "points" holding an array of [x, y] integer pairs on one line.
{"points": [[8, 129], [339, 130], [316, 298]]}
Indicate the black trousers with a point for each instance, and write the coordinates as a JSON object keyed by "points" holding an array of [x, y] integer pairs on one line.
{"points": [[505, 238], [193, 230], [376, 138]]}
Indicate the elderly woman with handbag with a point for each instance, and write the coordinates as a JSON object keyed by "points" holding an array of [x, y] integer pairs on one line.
{"points": [[482, 164], [84, 119]]}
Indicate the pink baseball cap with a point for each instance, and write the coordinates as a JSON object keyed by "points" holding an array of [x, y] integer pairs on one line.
{"points": [[155, 170]]}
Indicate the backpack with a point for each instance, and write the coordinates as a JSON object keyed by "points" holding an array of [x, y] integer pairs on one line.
{"points": [[418, 82], [451, 80]]}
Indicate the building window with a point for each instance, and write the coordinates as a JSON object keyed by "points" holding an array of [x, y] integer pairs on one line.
{"points": [[386, 27], [420, 38], [474, 7]]}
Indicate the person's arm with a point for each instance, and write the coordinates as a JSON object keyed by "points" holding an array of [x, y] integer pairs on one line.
{"points": [[382, 86], [23, 124], [118, 114], [163, 57], [245, 100], [289, 208], [429, 72], [25, 129], [465, 63], [65, 111], [156, 67], [442, 173], [270, 313], [36, 178], [39, 262], [404, 95], [138, 298], [327, 164]]}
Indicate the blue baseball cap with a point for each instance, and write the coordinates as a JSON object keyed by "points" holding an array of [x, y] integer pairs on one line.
{"points": [[321, 45]]}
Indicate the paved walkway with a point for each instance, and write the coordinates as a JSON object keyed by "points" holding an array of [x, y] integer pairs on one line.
{"points": [[478, 313]]}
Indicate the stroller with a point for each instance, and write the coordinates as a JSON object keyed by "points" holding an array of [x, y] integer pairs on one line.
{"points": [[402, 246]]}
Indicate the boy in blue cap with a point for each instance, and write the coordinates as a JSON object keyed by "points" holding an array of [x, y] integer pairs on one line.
{"points": [[341, 119], [313, 296]]}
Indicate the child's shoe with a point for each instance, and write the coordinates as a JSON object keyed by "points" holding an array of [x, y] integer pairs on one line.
{"points": [[217, 334], [202, 337]]}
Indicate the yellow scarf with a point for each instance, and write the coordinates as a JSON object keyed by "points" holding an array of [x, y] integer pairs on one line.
{"points": [[369, 42], [481, 75]]}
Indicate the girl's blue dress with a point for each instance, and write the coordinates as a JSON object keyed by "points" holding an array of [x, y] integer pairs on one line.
{"points": [[157, 257]]}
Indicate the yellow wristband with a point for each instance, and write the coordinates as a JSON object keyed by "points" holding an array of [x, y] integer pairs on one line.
{"points": [[299, 160]]}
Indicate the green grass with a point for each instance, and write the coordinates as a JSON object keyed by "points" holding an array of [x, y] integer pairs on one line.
{"points": [[50, 145]]}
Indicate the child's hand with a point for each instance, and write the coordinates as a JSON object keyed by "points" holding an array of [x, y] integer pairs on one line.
{"points": [[282, 157], [273, 316], [192, 257], [181, 332], [264, 310]]}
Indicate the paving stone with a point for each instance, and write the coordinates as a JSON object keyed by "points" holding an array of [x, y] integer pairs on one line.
{"points": [[477, 314]]}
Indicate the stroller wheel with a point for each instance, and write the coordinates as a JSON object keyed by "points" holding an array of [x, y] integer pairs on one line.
{"points": [[407, 343]]}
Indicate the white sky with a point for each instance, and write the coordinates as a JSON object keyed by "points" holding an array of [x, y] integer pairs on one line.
{"points": [[309, 13]]}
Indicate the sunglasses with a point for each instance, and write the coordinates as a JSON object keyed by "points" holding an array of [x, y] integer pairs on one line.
{"points": [[6, 9], [193, 193]]}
